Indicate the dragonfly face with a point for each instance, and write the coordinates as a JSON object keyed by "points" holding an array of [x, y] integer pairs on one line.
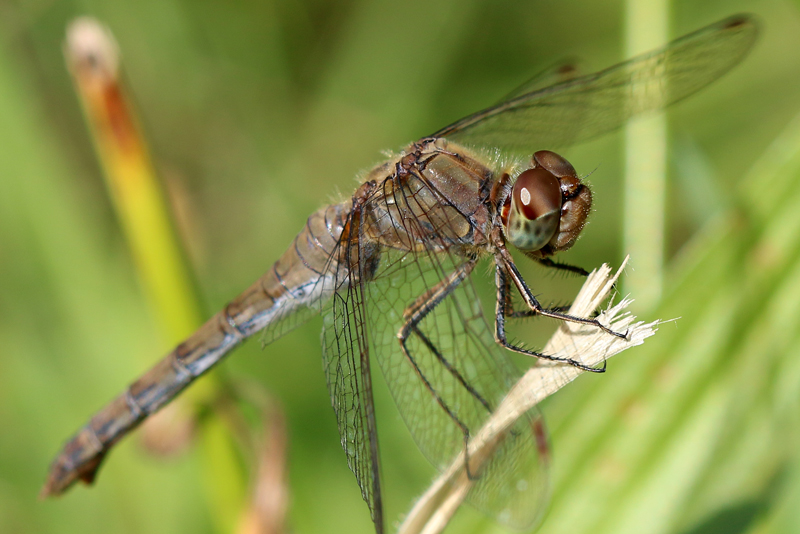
{"points": [[389, 271], [546, 208]]}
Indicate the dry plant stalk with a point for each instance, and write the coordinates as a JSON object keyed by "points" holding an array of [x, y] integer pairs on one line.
{"points": [[94, 61], [93, 58], [583, 343], [269, 499]]}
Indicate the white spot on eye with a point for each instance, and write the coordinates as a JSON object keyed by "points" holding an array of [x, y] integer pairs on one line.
{"points": [[525, 196]]}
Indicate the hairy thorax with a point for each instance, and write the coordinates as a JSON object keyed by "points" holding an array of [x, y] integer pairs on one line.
{"points": [[433, 196]]}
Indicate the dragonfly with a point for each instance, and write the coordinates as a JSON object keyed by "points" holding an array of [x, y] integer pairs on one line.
{"points": [[390, 271]]}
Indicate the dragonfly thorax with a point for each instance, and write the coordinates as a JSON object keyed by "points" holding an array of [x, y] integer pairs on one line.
{"points": [[547, 207]]}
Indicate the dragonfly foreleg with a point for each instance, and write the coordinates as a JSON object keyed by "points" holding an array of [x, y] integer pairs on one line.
{"points": [[566, 267], [413, 315], [511, 313], [503, 260], [501, 313]]}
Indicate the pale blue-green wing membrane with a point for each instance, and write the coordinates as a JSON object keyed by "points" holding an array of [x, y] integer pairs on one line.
{"points": [[586, 107], [454, 355], [346, 360]]}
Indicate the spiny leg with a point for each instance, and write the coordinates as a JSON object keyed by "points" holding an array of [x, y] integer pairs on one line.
{"points": [[413, 315], [511, 313], [502, 286], [503, 258], [549, 263], [566, 267]]}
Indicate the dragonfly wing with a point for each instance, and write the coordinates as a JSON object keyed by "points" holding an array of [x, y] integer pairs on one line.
{"points": [[294, 313], [560, 72], [296, 288], [456, 359], [452, 374], [589, 106], [346, 360]]}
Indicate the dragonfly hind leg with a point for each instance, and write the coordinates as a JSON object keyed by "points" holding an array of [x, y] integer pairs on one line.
{"points": [[413, 315]]}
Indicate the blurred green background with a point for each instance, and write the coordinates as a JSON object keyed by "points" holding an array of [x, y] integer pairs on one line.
{"points": [[259, 113]]}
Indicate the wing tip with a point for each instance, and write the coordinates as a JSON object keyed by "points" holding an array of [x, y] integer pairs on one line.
{"points": [[739, 23]]}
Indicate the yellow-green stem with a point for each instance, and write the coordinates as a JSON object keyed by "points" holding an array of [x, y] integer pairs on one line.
{"points": [[647, 27]]}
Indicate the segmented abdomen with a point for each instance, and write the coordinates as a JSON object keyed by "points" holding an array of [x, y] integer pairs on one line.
{"points": [[284, 297]]}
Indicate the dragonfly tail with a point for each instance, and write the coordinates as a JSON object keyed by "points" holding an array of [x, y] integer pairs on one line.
{"points": [[284, 297], [83, 453]]}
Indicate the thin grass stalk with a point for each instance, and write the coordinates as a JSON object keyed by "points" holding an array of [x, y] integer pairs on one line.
{"points": [[646, 27]]}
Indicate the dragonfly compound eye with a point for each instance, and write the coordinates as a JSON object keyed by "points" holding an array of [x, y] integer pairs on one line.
{"points": [[535, 209], [554, 163]]}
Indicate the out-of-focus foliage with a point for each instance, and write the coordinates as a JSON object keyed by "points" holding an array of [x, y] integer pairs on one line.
{"points": [[257, 113]]}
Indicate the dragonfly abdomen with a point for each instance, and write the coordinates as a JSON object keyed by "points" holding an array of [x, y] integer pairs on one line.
{"points": [[286, 296]]}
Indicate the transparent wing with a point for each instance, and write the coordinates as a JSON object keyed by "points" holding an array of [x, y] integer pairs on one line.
{"points": [[443, 368], [586, 107], [295, 288], [346, 360], [560, 72]]}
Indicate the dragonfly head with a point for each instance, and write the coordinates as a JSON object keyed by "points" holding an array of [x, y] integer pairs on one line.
{"points": [[547, 207]]}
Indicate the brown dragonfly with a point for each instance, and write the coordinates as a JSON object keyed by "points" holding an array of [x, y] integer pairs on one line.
{"points": [[389, 270]]}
